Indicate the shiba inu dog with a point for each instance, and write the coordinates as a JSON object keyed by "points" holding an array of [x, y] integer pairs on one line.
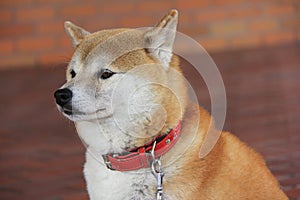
{"points": [[127, 96]]}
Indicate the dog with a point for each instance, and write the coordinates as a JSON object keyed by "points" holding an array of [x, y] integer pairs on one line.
{"points": [[127, 95]]}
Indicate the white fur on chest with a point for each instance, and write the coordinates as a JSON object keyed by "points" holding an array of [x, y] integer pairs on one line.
{"points": [[103, 183]]}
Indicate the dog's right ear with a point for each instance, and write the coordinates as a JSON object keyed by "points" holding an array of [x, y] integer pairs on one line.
{"points": [[160, 39], [75, 33]]}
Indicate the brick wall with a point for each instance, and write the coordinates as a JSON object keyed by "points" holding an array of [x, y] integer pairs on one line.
{"points": [[31, 31]]}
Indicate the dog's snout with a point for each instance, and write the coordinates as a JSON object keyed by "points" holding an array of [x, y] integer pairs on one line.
{"points": [[63, 96]]}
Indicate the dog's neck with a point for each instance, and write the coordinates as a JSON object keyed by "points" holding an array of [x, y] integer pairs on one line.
{"points": [[106, 137]]}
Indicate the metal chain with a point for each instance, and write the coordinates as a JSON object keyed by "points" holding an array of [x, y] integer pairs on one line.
{"points": [[158, 173]]}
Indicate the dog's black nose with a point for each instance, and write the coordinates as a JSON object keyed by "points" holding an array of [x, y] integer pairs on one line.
{"points": [[63, 96]]}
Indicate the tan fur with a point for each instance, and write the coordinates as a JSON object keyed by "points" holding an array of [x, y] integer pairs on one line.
{"points": [[91, 41], [231, 170]]}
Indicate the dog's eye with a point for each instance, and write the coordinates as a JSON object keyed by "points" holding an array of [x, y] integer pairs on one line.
{"points": [[73, 73], [106, 73]]}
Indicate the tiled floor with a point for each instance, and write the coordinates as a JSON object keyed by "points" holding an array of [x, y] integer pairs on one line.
{"points": [[41, 156]]}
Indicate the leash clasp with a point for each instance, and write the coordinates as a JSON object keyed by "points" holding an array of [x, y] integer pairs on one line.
{"points": [[156, 168]]}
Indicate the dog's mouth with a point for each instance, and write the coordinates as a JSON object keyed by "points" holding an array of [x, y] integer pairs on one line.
{"points": [[67, 111], [75, 115], [71, 111]]}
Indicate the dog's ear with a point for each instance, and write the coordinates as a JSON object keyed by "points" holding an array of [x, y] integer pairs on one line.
{"points": [[75, 33], [160, 39]]}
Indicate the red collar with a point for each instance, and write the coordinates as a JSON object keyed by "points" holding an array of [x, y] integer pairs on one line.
{"points": [[141, 157]]}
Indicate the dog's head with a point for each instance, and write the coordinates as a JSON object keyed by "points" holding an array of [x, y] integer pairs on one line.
{"points": [[126, 76]]}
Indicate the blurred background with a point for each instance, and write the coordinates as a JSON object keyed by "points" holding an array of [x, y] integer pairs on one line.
{"points": [[255, 44]]}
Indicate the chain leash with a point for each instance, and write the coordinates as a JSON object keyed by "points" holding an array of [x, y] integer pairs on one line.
{"points": [[158, 173]]}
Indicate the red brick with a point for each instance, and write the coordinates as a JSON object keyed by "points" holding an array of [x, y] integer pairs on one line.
{"points": [[5, 16], [54, 58], [192, 4], [102, 23], [134, 22], [262, 25], [297, 7], [246, 42], [279, 10], [51, 28], [227, 2], [185, 18], [211, 16], [35, 44], [245, 12], [279, 38], [228, 23], [228, 29], [195, 30], [16, 30], [213, 44], [79, 11], [6, 46], [14, 2], [17, 61], [65, 42], [292, 23], [35, 14], [155, 6], [117, 9]]}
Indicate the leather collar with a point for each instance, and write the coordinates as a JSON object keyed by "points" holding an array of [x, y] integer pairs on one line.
{"points": [[141, 157]]}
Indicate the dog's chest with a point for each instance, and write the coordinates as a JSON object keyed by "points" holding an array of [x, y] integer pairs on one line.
{"points": [[114, 185]]}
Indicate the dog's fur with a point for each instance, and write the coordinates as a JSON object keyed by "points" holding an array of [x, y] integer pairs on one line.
{"points": [[231, 170]]}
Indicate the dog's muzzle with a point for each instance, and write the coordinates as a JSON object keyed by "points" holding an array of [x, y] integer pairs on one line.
{"points": [[63, 98]]}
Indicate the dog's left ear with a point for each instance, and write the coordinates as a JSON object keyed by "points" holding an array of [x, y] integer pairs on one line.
{"points": [[160, 39], [75, 33]]}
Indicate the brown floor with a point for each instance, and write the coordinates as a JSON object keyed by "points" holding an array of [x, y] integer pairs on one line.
{"points": [[41, 156]]}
